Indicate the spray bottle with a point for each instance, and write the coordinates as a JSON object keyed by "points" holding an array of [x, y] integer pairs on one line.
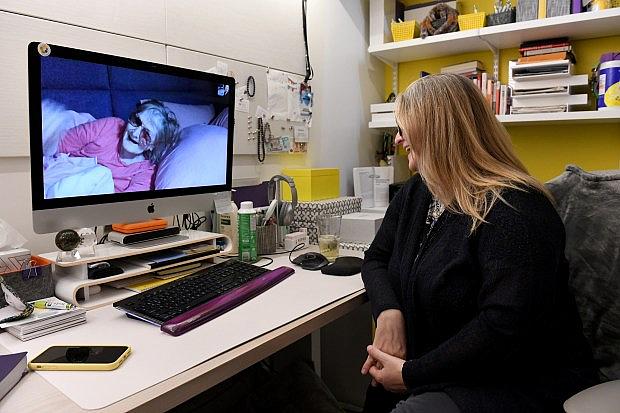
{"points": [[247, 232]]}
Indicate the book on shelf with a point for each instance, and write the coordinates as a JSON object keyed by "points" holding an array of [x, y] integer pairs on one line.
{"points": [[542, 43], [46, 321], [12, 368], [546, 57], [546, 99], [462, 68], [546, 50]]}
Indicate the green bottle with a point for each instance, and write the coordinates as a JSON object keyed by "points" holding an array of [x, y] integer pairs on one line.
{"points": [[247, 232]]}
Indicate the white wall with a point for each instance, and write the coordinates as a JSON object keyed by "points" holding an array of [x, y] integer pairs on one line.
{"points": [[346, 81]]}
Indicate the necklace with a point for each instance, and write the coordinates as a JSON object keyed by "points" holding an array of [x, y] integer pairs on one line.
{"points": [[435, 210]]}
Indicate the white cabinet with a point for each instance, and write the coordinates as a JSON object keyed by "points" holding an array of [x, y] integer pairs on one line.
{"points": [[266, 32], [142, 19], [17, 32]]}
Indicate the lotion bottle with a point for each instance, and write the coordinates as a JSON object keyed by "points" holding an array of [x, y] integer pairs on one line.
{"points": [[247, 232]]}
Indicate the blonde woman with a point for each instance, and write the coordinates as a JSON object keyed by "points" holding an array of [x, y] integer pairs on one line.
{"points": [[467, 277]]}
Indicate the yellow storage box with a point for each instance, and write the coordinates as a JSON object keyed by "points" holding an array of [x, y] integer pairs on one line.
{"points": [[313, 184]]}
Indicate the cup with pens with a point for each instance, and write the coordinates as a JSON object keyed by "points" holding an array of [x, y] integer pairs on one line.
{"points": [[266, 234], [502, 14]]}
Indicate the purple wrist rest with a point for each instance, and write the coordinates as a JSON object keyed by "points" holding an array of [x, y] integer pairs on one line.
{"points": [[209, 310]]}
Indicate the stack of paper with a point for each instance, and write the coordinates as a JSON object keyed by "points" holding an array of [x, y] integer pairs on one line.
{"points": [[45, 321]]}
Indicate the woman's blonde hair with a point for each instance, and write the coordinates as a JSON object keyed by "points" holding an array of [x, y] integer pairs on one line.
{"points": [[463, 152]]}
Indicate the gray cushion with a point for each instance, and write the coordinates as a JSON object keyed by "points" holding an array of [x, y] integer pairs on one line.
{"points": [[589, 204]]}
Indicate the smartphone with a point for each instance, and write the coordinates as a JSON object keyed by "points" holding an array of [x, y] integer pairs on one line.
{"points": [[80, 358]]}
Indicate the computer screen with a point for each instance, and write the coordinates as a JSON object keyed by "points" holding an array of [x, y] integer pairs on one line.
{"points": [[114, 139]]}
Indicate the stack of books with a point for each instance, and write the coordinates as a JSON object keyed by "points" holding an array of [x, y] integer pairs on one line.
{"points": [[542, 80], [546, 50], [58, 315], [472, 69], [496, 94]]}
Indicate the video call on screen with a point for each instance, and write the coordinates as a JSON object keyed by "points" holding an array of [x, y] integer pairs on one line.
{"points": [[109, 129]]}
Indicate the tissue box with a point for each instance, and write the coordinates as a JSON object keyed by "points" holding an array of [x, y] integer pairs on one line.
{"points": [[307, 212], [13, 259], [313, 184], [360, 227]]}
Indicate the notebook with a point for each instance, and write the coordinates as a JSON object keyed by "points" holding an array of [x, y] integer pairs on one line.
{"points": [[12, 368]]}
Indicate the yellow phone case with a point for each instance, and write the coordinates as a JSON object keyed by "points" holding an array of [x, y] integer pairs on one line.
{"points": [[80, 366]]}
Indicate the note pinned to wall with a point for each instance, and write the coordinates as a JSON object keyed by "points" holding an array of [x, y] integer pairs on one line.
{"points": [[283, 95], [242, 103], [301, 134]]}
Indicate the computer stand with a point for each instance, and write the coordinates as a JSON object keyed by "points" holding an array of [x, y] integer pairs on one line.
{"points": [[71, 278]]}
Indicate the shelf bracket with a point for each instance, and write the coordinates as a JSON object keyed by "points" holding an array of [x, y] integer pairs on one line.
{"points": [[495, 51], [395, 78]]}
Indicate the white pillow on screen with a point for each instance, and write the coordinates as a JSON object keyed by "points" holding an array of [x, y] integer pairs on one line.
{"points": [[56, 121], [199, 159], [188, 115]]}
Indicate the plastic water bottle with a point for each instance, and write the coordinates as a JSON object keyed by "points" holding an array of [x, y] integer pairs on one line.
{"points": [[247, 232]]}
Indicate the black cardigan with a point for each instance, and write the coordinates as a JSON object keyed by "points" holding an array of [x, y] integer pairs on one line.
{"points": [[489, 316]]}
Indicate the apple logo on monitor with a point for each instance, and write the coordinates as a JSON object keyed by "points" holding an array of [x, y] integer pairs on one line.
{"points": [[151, 208]]}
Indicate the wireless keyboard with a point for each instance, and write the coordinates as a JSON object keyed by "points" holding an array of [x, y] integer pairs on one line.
{"points": [[188, 302]]}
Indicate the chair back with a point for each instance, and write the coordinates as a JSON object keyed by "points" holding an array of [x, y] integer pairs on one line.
{"points": [[589, 205]]}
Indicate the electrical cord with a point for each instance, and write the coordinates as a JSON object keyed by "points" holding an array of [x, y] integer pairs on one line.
{"points": [[309, 71]]}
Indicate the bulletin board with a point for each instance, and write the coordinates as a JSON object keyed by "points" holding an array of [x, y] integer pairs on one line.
{"points": [[285, 134]]}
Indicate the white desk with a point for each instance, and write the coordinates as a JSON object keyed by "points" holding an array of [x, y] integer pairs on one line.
{"points": [[35, 394]]}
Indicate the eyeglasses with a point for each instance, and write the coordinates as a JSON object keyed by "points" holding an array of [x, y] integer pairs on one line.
{"points": [[145, 134], [399, 131]]}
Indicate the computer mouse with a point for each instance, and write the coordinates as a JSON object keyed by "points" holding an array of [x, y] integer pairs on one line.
{"points": [[311, 261]]}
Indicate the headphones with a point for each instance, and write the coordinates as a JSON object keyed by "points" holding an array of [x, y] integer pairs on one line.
{"points": [[284, 210]]}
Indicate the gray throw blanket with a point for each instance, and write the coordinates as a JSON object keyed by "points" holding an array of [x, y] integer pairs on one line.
{"points": [[589, 205]]}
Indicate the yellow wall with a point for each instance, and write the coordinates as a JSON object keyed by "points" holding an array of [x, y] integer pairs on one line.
{"points": [[545, 150]]}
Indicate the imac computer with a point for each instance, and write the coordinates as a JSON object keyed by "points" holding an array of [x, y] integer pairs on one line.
{"points": [[117, 140]]}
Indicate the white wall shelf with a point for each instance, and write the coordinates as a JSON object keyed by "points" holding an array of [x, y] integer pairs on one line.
{"points": [[575, 26], [601, 116]]}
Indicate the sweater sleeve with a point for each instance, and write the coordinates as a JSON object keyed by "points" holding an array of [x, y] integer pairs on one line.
{"points": [[518, 255], [375, 268]]}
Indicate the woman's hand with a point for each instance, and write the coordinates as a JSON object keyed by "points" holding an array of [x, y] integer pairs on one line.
{"points": [[390, 375], [389, 338]]}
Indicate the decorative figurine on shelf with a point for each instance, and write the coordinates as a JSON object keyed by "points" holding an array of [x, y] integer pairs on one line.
{"points": [[74, 245], [441, 19]]}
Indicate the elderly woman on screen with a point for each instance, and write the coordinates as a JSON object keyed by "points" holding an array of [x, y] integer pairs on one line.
{"points": [[132, 149], [467, 277]]}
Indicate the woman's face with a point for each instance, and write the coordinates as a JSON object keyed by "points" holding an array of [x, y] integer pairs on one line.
{"points": [[140, 133], [402, 139]]}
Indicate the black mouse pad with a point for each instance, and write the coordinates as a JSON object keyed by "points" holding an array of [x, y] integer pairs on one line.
{"points": [[344, 266]]}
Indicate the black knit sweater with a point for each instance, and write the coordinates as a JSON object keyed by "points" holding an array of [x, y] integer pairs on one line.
{"points": [[489, 316]]}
